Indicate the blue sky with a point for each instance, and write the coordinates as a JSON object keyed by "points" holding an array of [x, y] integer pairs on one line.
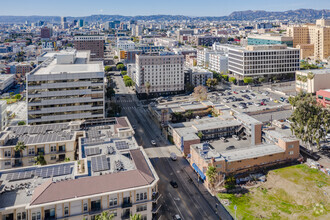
{"points": [[148, 7]]}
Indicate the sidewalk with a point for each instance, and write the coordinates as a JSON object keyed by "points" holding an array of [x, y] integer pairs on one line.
{"points": [[212, 200]]}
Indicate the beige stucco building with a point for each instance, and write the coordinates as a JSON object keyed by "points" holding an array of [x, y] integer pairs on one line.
{"points": [[311, 81], [317, 34]]}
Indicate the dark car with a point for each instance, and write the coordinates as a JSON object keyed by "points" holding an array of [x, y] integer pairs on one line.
{"points": [[234, 106], [173, 184], [231, 147]]}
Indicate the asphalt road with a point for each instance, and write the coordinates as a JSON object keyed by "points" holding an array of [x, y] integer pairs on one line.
{"points": [[187, 200]]}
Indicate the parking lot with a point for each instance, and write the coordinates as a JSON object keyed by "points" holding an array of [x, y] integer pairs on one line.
{"points": [[249, 101], [20, 111]]}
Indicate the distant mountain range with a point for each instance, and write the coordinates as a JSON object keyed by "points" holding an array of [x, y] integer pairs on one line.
{"points": [[300, 14]]}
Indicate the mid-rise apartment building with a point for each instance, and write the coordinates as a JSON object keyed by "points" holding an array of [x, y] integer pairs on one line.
{"points": [[317, 34], [263, 60], [93, 43], [269, 39], [207, 40], [45, 33], [112, 174], [218, 62], [158, 74], [65, 87], [199, 76]]}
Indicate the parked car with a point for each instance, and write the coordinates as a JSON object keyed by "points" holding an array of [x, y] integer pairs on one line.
{"points": [[235, 137], [276, 101], [174, 184], [234, 106], [153, 142], [176, 217], [265, 93], [223, 139], [231, 147], [173, 156], [282, 99], [257, 104]]}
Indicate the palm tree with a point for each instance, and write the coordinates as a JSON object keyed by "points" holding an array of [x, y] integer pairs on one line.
{"points": [[211, 174], [136, 217], [40, 159], [310, 75], [105, 216], [20, 146], [147, 88]]}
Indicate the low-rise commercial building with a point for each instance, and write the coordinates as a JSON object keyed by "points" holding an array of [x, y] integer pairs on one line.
{"points": [[225, 125], [234, 160], [323, 97], [310, 81]]}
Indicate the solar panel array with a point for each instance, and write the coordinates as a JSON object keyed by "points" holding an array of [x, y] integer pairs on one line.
{"points": [[45, 172], [92, 151], [121, 145], [100, 163], [20, 130]]}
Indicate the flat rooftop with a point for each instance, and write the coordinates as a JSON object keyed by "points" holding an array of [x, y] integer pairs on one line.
{"points": [[316, 71]]}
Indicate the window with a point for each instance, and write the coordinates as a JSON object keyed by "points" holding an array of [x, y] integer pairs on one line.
{"points": [[113, 202], [53, 158], [291, 146], [66, 210], [38, 216], [144, 217], [7, 153], [291, 153], [52, 148], [85, 207], [141, 196], [34, 216], [31, 151], [7, 163], [141, 208]]}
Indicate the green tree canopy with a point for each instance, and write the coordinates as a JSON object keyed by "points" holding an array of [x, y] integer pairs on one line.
{"points": [[107, 68], [211, 174], [232, 79], [120, 66], [211, 82], [104, 216], [248, 80], [310, 122]]}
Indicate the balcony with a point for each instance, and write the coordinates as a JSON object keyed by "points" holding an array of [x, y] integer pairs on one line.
{"points": [[155, 208], [126, 215], [155, 197], [126, 205]]}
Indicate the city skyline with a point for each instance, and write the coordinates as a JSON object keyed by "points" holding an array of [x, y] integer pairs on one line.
{"points": [[147, 7]]}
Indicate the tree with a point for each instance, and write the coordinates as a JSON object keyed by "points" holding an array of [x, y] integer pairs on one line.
{"points": [[200, 135], [136, 217], [310, 75], [120, 66], [211, 82], [105, 216], [148, 88], [20, 146], [110, 92], [123, 72], [11, 94], [211, 174], [248, 80], [115, 57], [232, 79], [40, 159], [225, 77], [21, 123], [310, 122], [200, 93], [262, 79], [18, 96], [107, 68]]}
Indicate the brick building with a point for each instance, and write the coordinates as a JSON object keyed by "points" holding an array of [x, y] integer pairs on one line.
{"points": [[93, 43]]}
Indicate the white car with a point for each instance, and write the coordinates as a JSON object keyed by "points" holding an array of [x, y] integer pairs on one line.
{"points": [[235, 137], [173, 156], [153, 142]]}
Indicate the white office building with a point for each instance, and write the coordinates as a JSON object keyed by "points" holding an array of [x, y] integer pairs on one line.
{"points": [[263, 60], [125, 45], [6, 81], [65, 87]]}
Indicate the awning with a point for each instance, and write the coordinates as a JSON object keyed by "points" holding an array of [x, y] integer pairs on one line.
{"points": [[200, 173]]}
